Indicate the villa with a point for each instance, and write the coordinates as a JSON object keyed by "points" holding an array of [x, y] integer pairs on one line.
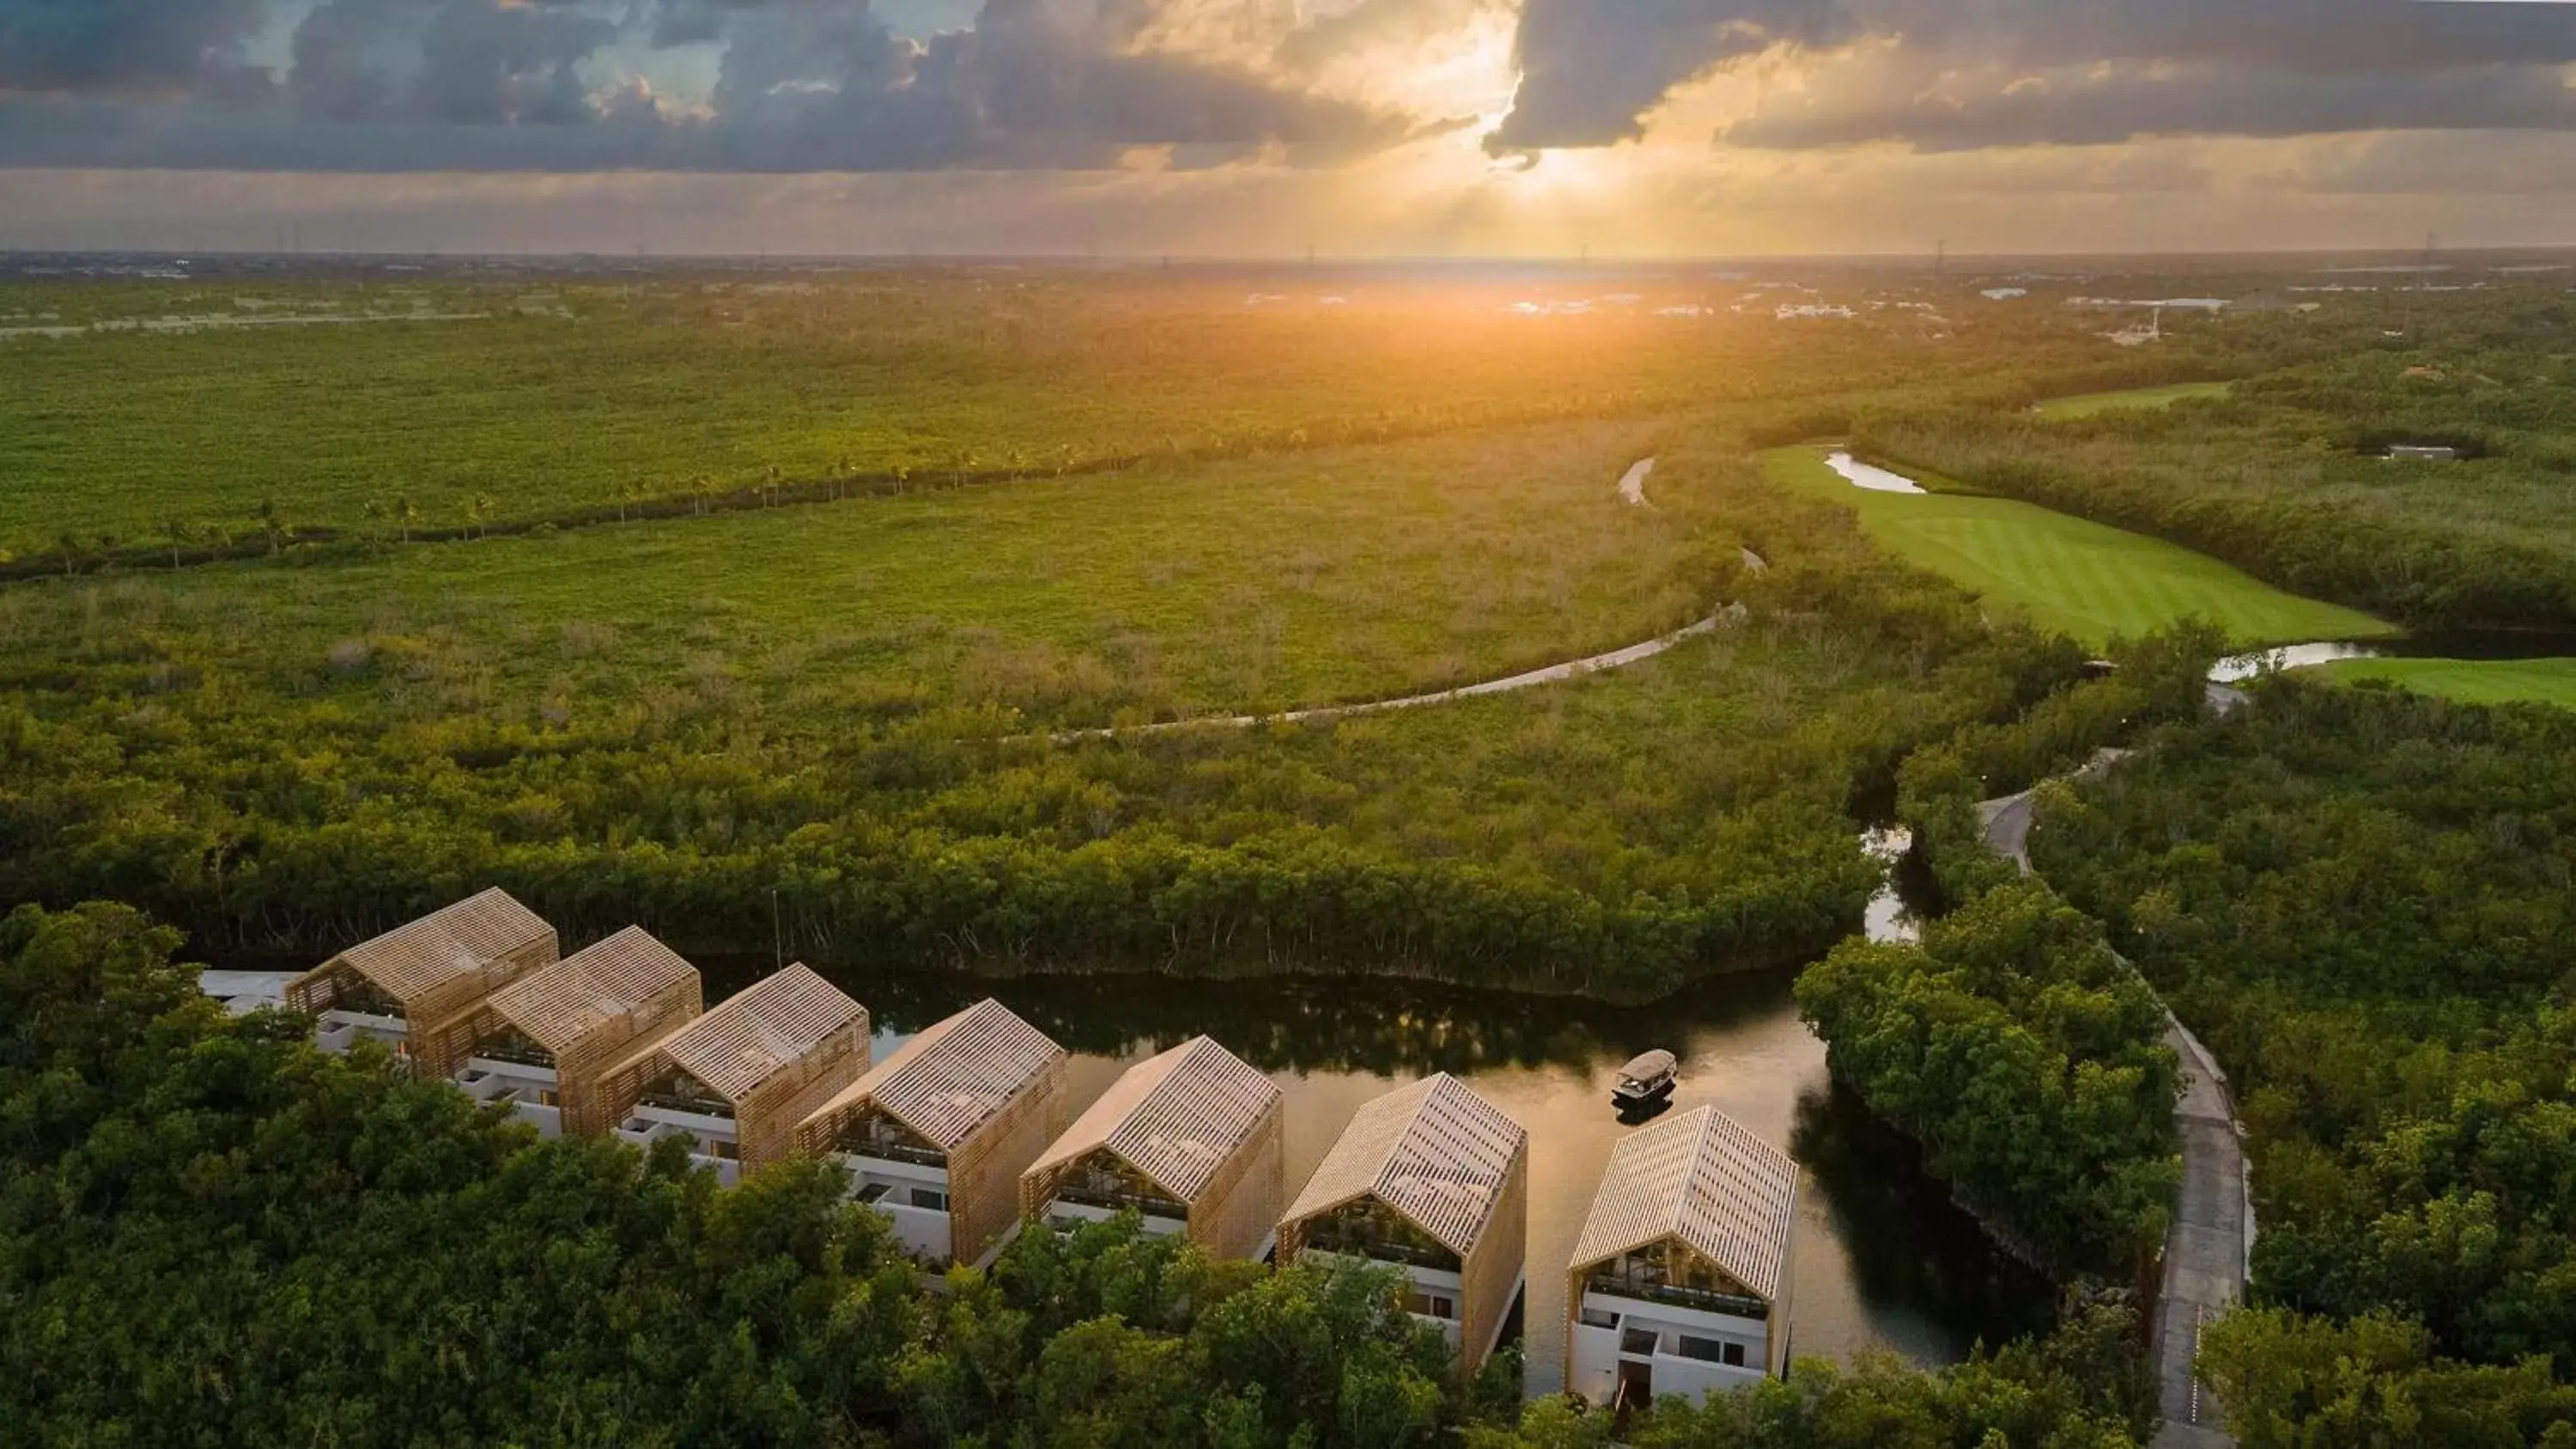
{"points": [[736, 1081], [408, 987], [1192, 1140], [1433, 1179], [1680, 1280], [544, 1041], [935, 1136]]}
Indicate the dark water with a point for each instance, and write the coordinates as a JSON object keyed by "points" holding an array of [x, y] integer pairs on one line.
{"points": [[1882, 1259], [2489, 644]]}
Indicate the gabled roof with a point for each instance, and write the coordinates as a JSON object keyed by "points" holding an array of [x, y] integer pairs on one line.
{"points": [[1176, 1117], [945, 1082], [449, 942], [761, 1030], [1704, 1179], [1434, 1151], [560, 1004]]}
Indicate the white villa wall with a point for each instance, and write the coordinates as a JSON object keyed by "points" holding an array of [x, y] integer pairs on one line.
{"points": [[1155, 1224], [1436, 1283], [1597, 1353], [337, 1031], [524, 1087], [706, 1135], [924, 1232]]}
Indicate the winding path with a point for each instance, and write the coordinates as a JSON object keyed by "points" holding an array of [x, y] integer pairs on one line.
{"points": [[2210, 1242], [1632, 487], [1571, 669]]}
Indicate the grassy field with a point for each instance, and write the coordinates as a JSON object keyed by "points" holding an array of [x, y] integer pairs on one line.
{"points": [[838, 713], [2471, 681], [592, 396], [2088, 580], [2288, 477], [2085, 405], [1313, 578]]}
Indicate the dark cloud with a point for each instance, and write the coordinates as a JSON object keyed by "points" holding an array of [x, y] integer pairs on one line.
{"points": [[1945, 74], [1967, 109], [1591, 69], [121, 45], [798, 85]]}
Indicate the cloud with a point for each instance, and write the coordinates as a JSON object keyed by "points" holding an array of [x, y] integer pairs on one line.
{"points": [[121, 45], [1946, 74], [793, 85]]}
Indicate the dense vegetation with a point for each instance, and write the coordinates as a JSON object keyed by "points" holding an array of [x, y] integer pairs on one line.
{"points": [[2283, 477], [286, 759], [212, 1233], [588, 400], [2291, 1382], [2361, 900], [2024, 1054]]}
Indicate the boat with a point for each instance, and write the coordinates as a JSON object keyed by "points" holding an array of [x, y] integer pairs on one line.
{"points": [[1648, 1078]]}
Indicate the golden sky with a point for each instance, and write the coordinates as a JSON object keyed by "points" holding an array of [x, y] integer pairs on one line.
{"points": [[1625, 128]]}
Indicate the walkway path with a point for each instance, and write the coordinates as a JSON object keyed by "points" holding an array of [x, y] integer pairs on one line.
{"points": [[1571, 669], [1631, 487], [2211, 1240]]}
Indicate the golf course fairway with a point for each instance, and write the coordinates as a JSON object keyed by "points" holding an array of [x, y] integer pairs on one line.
{"points": [[2085, 405], [2089, 580], [2470, 681]]}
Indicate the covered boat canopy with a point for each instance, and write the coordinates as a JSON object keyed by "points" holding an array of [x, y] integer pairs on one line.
{"points": [[1650, 1066]]}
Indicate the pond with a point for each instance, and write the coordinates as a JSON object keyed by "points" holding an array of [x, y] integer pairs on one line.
{"points": [[2493, 644], [1882, 1259]]}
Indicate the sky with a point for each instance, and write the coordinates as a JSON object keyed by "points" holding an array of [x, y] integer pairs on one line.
{"points": [[1354, 128]]}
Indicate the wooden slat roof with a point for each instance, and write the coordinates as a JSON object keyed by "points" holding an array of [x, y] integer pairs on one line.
{"points": [[947, 1081], [560, 1004], [759, 1031], [1175, 1117], [1702, 1178], [447, 943], [1434, 1151]]}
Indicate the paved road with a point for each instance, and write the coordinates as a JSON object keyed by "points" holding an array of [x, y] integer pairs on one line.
{"points": [[1571, 669], [2213, 1226], [2206, 1246], [2007, 820]]}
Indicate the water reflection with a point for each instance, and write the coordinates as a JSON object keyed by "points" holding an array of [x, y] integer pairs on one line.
{"points": [[2490, 644], [1882, 1259]]}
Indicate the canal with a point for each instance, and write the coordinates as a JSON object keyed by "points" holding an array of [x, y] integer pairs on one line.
{"points": [[1882, 1259]]}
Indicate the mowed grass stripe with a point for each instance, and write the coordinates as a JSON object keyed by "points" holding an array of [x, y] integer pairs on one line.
{"points": [[2085, 405], [2471, 681], [2086, 579]]}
